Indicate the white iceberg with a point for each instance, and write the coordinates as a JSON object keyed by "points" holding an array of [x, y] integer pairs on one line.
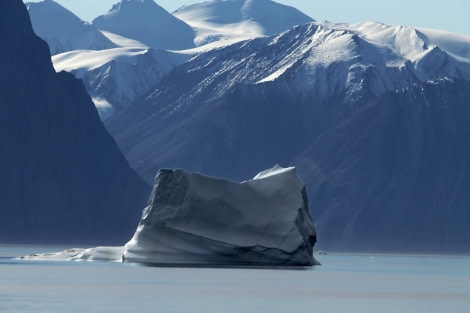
{"points": [[192, 219], [195, 219]]}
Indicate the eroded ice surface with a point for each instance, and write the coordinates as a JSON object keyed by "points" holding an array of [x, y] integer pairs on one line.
{"points": [[191, 218]]}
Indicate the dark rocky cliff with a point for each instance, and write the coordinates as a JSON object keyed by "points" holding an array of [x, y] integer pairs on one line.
{"points": [[63, 179]]}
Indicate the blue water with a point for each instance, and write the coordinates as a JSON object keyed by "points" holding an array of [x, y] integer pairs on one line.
{"points": [[343, 283]]}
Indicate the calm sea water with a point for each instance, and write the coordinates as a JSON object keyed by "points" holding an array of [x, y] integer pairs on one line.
{"points": [[343, 283]]}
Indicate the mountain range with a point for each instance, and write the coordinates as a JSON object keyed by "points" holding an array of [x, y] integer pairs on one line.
{"points": [[374, 117], [367, 112], [145, 49], [310, 67]]}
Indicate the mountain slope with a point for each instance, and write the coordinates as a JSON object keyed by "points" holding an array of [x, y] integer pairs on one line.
{"points": [[63, 177], [147, 22], [340, 102], [234, 20], [394, 174], [116, 77], [64, 31]]}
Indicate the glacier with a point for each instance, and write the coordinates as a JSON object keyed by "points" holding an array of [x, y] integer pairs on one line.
{"points": [[193, 219]]}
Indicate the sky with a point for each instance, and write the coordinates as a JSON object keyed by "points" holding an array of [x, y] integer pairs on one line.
{"points": [[450, 15]]}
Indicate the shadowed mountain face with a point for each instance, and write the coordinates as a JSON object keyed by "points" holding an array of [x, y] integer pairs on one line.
{"points": [[62, 179], [393, 174]]}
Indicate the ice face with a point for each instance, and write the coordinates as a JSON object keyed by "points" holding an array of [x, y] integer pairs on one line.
{"points": [[195, 219]]}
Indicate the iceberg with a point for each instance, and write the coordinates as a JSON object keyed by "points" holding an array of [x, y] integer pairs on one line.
{"points": [[195, 219], [192, 219]]}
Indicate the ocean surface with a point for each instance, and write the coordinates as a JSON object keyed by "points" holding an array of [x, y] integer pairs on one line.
{"points": [[343, 283]]}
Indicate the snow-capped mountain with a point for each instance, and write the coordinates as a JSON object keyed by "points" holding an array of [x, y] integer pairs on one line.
{"points": [[63, 30], [147, 22], [114, 69], [223, 22], [115, 77], [359, 109], [318, 61]]}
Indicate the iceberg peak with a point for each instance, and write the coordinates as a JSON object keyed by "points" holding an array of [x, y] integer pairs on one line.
{"points": [[277, 169]]}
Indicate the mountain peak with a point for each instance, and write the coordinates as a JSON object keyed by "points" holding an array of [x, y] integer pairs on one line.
{"points": [[16, 28], [272, 16], [125, 4], [147, 22], [63, 30], [239, 19]]}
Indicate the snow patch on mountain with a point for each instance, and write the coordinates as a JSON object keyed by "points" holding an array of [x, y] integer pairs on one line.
{"points": [[105, 109], [81, 61], [121, 41], [456, 45], [403, 41]]}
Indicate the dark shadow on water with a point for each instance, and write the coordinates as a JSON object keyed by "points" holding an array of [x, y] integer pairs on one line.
{"points": [[224, 266]]}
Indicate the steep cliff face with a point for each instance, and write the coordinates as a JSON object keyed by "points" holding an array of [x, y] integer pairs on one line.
{"points": [[62, 176]]}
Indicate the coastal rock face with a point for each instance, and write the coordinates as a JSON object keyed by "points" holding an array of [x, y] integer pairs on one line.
{"points": [[195, 219]]}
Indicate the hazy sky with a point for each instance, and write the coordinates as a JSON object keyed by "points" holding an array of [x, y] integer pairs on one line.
{"points": [[451, 15]]}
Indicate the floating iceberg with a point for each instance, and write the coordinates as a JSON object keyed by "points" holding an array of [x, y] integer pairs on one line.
{"points": [[193, 219]]}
